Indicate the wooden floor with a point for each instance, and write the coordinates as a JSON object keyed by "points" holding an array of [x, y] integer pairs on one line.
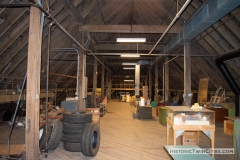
{"points": [[128, 138]]}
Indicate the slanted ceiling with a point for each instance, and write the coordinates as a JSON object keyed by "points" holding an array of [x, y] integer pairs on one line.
{"points": [[102, 22]]}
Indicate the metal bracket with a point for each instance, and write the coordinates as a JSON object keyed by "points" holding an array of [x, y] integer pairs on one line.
{"points": [[179, 132], [208, 133]]}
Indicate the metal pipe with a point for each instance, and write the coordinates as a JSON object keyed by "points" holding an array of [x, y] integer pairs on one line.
{"points": [[99, 61], [145, 54], [65, 31], [15, 113], [47, 79], [171, 60], [54, 21], [68, 34], [171, 24]]}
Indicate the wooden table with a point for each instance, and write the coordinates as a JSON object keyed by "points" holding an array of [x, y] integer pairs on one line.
{"points": [[178, 129], [187, 156]]}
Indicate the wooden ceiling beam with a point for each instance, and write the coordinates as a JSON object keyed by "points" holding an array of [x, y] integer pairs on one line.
{"points": [[131, 28], [70, 7], [131, 47]]}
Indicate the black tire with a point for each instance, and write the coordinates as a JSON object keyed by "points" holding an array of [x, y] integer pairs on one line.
{"points": [[72, 147], [42, 136], [69, 128], [77, 117], [74, 138], [56, 134], [91, 140]]}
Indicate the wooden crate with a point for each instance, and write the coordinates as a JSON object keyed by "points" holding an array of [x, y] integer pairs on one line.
{"points": [[228, 127]]}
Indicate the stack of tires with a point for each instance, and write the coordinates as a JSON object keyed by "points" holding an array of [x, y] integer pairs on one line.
{"points": [[54, 134], [80, 134]]}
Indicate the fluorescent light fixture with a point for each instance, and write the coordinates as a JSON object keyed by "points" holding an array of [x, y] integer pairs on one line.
{"points": [[128, 68], [128, 80], [130, 55], [131, 39], [129, 63]]}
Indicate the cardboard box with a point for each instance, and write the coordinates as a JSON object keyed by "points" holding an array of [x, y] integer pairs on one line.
{"points": [[189, 138], [228, 127], [95, 114]]}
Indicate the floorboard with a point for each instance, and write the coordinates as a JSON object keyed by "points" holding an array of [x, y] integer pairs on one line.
{"points": [[125, 137]]}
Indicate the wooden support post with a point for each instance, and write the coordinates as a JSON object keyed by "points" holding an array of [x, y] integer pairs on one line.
{"points": [[137, 79], [94, 82], [156, 85], [110, 87], [33, 84], [150, 84], [80, 75], [102, 82], [108, 90], [166, 79], [187, 75]]}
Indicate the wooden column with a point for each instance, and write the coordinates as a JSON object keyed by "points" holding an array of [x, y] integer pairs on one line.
{"points": [[150, 84], [137, 79], [33, 84], [80, 74], [187, 75], [166, 83], [146, 80], [110, 87], [156, 85], [107, 84], [94, 82], [102, 82]]}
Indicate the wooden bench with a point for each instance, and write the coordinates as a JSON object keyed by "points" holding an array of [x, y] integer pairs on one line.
{"points": [[181, 156]]}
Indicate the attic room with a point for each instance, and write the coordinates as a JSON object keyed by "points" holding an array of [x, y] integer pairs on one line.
{"points": [[71, 89]]}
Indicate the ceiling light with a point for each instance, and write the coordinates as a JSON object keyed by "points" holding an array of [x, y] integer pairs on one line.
{"points": [[131, 39], [129, 63], [130, 55], [128, 68], [128, 80]]}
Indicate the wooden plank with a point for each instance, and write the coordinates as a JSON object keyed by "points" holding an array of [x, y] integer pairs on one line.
{"points": [[19, 51], [131, 28], [187, 75], [33, 84], [11, 19]]}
